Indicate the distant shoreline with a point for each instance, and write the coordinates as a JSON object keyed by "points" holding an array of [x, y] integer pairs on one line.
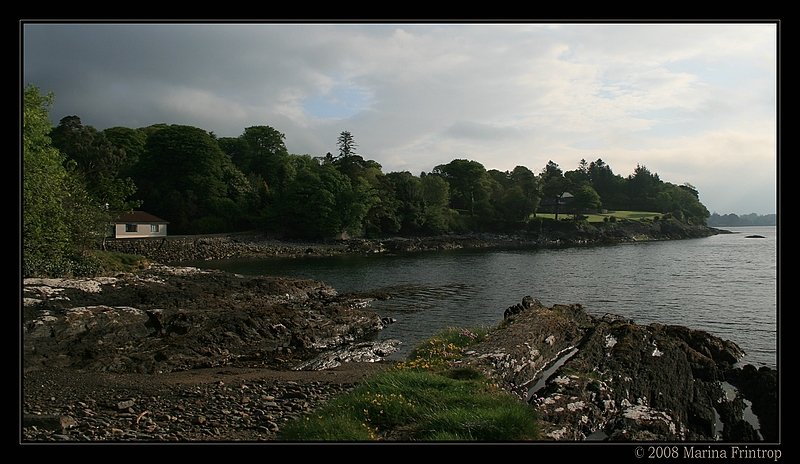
{"points": [[749, 225], [556, 234]]}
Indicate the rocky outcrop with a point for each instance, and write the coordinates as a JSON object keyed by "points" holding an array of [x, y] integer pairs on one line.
{"points": [[357, 352], [608, 378], [167, 319], [760, 387]]}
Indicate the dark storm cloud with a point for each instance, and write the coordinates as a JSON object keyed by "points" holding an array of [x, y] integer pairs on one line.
{"points": [[691, 102]]}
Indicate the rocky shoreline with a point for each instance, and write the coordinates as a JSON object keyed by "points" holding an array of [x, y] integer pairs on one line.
{"points": [[556, 234], [182, 354], [230, 404], [168, 319], [620, 381], [177, 353]]}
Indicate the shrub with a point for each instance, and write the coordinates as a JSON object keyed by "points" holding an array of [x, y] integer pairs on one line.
{"points": [[112, 262], [440, 350], [463, 373]]}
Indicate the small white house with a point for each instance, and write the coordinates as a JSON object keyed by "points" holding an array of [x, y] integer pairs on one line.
{"points": [[139, 224]]}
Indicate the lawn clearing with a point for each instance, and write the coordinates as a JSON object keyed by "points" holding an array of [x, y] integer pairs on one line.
{"points": [[631, 215]]}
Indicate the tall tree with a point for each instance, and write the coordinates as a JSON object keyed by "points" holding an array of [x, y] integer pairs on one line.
{"points": [[469, 183], [643, 186], [523, 178], [683, 202], [435, 193], [98, 161], [44, 226], [553, 185], [347, 144], [263, 152], [59, 220], [410, 201], [185, 178], [586, 199], [609, 186], [132, 142], [320, 203]]}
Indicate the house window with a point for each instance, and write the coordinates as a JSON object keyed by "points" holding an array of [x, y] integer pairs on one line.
{"points": [[153, 227], [131, 228]]}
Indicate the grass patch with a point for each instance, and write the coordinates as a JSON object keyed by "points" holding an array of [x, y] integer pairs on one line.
{"points": [[409, 405], [111, 262], [630, 215], [426, 398], [438, 352]]}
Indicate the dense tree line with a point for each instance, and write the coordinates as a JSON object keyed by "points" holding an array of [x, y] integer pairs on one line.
{"points": [[733, 220], [61, 218], [77, 178]]}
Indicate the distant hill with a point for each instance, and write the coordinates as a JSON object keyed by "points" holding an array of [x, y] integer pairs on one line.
{"points": [[733, 220]]}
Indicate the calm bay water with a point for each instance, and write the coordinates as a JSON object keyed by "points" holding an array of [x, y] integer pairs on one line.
{"points": [[725, 284]]}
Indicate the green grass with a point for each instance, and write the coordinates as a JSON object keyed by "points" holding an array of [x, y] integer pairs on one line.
{"points": [[417, 405], [630, 215], [427, 398], [440, 350]]}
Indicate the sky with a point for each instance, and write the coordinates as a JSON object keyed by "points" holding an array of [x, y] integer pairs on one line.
{"points": [[693, 102]]}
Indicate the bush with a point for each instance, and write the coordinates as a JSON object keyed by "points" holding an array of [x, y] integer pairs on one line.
{"points": [[463, 373], [535, 225], [440, 350], [78, 265], [612, 219], [112, 262]]}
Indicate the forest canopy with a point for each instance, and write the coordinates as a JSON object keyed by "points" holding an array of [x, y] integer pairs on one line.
{"points": [[77, 178]]}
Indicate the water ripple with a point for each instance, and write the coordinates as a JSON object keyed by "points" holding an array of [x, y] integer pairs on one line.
{"points": [[722, 284]]}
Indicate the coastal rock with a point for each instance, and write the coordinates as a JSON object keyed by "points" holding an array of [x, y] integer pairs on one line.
{"points": [[166, 319], [608, 377], [760, 386], [527, 303], [357, 352]]}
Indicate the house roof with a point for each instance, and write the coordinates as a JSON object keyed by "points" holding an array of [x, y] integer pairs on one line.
{"points": [[139, 217]]}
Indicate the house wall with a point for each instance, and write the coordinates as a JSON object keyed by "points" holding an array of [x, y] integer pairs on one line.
{"points": [[142, 231]]}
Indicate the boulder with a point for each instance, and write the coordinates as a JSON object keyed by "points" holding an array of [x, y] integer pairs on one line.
{"points": [[527, 303], [625, 382]]}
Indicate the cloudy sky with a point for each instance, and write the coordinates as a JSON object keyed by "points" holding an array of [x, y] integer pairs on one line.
{"points": [[694, 102]]}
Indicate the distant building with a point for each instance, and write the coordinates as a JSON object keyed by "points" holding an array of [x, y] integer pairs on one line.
{"points": [[139, 224], [549, 205]]}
